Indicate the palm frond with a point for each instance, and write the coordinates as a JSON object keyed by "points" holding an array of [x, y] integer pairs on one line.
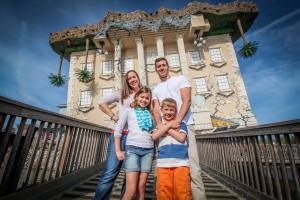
{"points": [[84, 75], [248, 50], [56, 80]]}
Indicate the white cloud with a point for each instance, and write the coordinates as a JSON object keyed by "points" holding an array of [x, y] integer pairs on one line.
{"points": [[276, 23], [272, 76], [29, 63]]}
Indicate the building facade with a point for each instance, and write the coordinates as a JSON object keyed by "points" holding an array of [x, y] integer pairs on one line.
{"points": [[197, 41]]}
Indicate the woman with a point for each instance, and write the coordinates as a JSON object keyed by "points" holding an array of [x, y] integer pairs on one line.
{"points": [[124, 98]]}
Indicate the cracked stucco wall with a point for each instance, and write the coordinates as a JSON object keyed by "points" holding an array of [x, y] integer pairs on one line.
{"points": [[233, 105]]}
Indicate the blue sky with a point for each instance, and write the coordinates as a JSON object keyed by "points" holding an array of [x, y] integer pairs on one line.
{"points": [[26, 59]]}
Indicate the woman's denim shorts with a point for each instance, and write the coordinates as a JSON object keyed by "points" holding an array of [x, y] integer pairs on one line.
{"points": [[138, 159]]}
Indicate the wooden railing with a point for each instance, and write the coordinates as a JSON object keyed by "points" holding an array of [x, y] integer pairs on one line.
{"points": [[38, 146], [261, 162]]}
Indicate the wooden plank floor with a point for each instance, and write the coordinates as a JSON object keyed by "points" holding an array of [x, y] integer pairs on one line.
{"points": [[86, 189]]}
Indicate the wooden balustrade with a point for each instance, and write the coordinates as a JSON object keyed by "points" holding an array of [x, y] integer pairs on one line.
{"points": [[38, 146], [41, 150], [260, 162]]}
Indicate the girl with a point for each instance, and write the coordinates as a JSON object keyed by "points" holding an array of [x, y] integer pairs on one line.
{"points": [[124, 98], [139, 144]]}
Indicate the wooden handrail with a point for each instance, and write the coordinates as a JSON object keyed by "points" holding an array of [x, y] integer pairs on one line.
{"points": [[261, 161], [38, 146]]}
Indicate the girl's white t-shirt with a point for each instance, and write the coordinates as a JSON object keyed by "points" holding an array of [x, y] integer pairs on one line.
{"points": [[136, 136], [171, 89]]}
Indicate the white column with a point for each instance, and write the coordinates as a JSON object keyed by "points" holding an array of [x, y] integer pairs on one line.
{"points": [[160, 46], [141, 60], [71, 98], [117, 65], [182, 56]]}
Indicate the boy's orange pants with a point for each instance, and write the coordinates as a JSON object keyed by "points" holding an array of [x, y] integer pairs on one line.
{"points": [[173, 183]]}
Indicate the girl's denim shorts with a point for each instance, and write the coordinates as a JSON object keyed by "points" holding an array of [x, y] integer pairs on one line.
{"points": [[138, 159]]}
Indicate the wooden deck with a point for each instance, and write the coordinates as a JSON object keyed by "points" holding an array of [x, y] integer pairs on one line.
{"points": [[86, 189]]}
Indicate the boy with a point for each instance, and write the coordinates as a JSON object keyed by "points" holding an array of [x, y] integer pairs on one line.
{"points": [[173, 172]]}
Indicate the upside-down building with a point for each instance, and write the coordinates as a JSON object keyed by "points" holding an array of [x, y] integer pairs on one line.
{"points": [[197, 40]]}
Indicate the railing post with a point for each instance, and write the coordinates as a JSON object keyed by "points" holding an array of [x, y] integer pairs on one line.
{"points": [[34, 148], [73, 150], [276, 173], [283, 167], [60, 133], [250, 161], [9, 170], [2, 120], [62, 158], [79, 149], [67, 161], [269, 175], [242, 146], [258, 157], [5, 139], [48, 155], [12, 183], [240, 158], [292, 163]]}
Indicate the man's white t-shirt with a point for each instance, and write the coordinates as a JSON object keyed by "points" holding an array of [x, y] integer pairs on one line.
{"points": [[171, 89]]}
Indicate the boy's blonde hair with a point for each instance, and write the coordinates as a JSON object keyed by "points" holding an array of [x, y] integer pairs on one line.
{"points": [[169, 102]]}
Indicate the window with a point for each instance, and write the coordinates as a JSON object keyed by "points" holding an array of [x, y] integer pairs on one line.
{"points": [[85, 98], [106, 91], [173, 60], [215, 54], [223, 83], [89, 66], [150, 59], [107, 67], [201, 85], [128, 65], [195, 57]]}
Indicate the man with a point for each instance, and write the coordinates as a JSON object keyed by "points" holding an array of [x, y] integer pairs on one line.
{"points": [[178, 88]]}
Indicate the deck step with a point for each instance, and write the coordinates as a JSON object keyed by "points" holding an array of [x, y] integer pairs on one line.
{"points": [[86, 190]]}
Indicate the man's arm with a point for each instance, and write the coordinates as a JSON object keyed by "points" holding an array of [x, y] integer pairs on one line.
{"points": [[186, 103], [156, 113]]}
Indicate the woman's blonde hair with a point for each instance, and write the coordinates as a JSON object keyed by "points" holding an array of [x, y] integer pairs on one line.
{"points": [[143, 89], [126, 91]]}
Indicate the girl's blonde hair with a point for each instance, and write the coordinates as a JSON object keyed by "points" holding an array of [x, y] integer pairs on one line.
{"points": [[143, 89], [126, 91]]}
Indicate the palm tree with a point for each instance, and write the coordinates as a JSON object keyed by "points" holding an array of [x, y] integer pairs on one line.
{"points": [[249, 48], [84, 75], [58, 80]]}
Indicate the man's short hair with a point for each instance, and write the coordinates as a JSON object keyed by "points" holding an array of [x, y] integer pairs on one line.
{"points": [[160, 59], [169, 102]]}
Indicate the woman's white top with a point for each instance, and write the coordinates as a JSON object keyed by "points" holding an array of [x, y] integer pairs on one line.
{"points": [[116, 97]]}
